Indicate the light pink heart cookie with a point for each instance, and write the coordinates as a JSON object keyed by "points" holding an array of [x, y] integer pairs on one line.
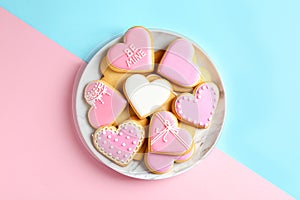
{"points": [[106, 103], [177, 66], [135, 54], [197, 109], [165, 137], [119, 145], [160, 164]]}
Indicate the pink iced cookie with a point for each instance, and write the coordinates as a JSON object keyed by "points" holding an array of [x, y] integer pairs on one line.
{"points": [[106, 103], [177, 66], [135, 54], [165, 137], [197, 109], [119, 145], [160, 164]]}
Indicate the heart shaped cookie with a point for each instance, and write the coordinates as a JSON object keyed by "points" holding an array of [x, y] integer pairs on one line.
{"points": [[197, 109], [160, 164], [165, 137], [119, 145], [146, 97], [106, 103], [136, 54], [177, 65]]}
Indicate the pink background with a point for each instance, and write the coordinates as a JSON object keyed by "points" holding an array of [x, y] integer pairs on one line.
{"points": [[41, 156]]}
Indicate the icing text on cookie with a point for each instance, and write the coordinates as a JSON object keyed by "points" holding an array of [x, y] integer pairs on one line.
{"points": [[134, 55]]}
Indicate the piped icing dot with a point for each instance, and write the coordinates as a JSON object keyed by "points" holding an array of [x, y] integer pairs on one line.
{"points": [[180, 111], [120, 133], [123, 144], [111, 147], [190, 120], [125, 127], [104, 142], [109, 136], [116, 139], [201, 123], [103, 132], [125, 155], [117, 158], [109, 154], [127, 137], [178, 105], [133, 142], [129, 149], [131, 131], [119, 152]]}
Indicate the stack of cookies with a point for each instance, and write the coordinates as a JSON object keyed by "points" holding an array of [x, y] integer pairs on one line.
{"points": [[149, 103]]}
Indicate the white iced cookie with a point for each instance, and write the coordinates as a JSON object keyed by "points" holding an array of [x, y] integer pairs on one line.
{"points": [[146, 97]]}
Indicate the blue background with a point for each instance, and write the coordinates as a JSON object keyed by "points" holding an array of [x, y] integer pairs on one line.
{"points": [[255, 45]]}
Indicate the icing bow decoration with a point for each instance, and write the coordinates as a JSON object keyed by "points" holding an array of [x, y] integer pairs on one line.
{"points": [[168, 128], [97, 93]]}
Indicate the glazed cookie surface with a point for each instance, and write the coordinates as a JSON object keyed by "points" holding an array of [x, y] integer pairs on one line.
{"points": [[177, 64], [136, 54], [165, 137], [119, 145], [146, 97], [105, 101], [197, 109]]}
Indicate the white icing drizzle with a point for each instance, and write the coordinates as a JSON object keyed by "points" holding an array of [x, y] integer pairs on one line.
{"points": [[96, 94], [168, 128]]}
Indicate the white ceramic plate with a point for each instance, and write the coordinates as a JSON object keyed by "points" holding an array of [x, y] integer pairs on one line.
{"points": [[205, 139]]}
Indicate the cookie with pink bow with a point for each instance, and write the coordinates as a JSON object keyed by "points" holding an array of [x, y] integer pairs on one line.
{"points": [[197, 109], [168, 139]]}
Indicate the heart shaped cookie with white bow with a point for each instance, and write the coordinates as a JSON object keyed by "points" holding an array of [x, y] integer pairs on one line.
{"points": [[136, 54], [146, 97], [197, 109], [165, 137], [119, 145]]}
